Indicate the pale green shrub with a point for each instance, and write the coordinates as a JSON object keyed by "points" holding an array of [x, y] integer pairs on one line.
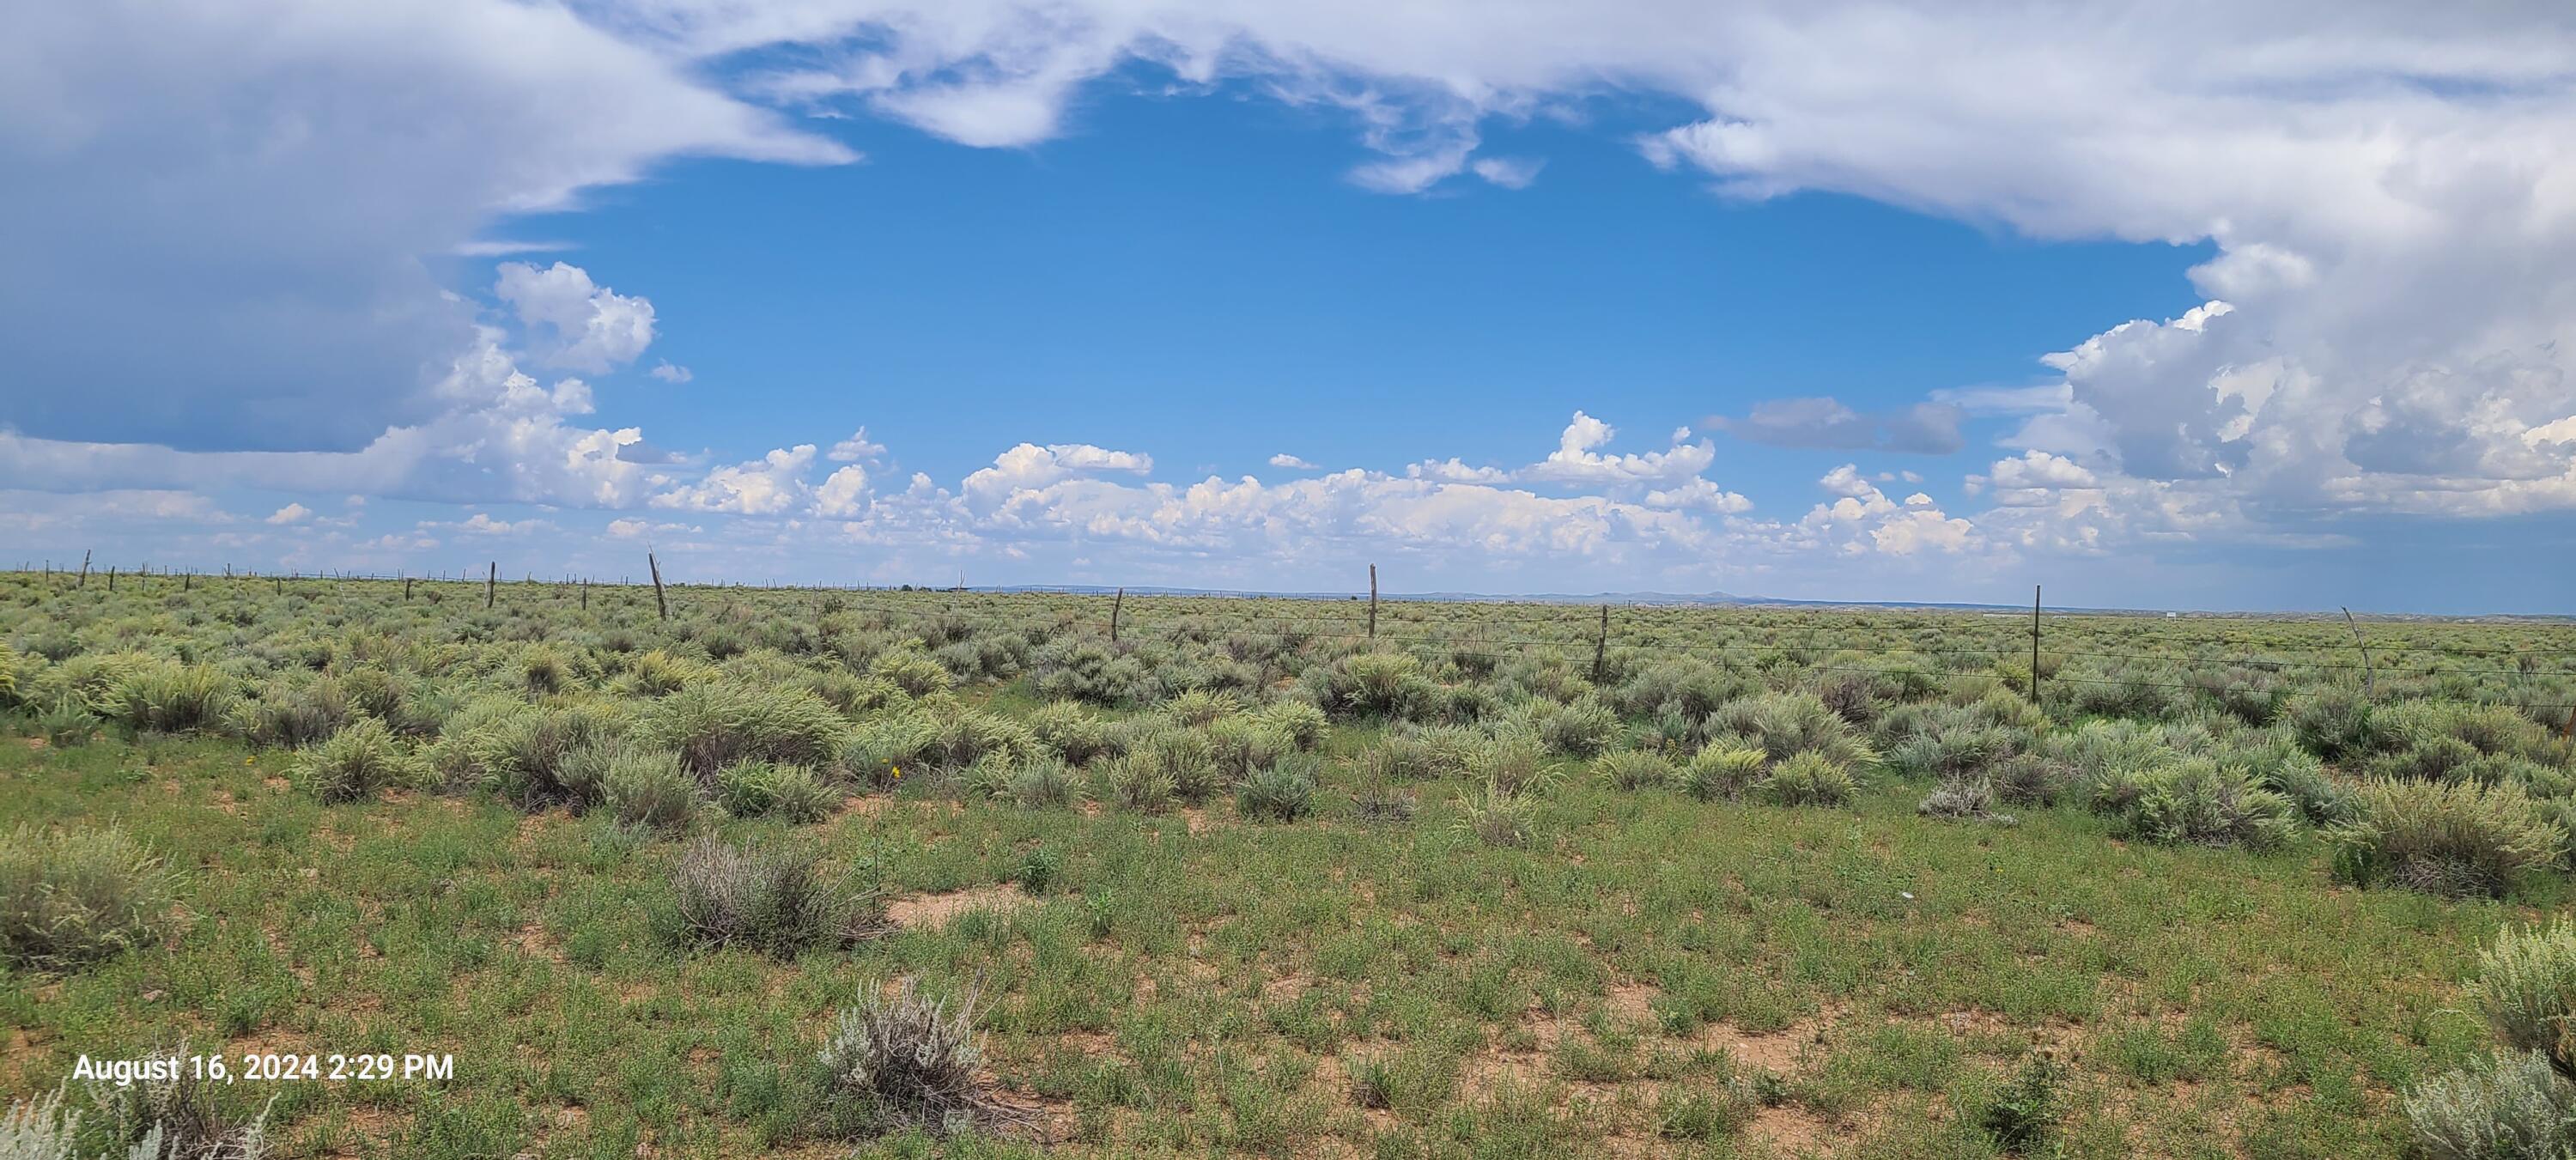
{"points": [[357, 763], [713, 724], [1808, 779], [2452, 839], [2495, 1109], [1722, 772], [71, 897], [1634, 769]]}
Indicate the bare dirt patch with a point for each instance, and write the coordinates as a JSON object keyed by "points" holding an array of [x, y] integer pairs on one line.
{"points": [[935, 910]]}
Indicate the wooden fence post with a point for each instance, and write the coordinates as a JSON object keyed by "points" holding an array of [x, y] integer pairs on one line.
{"points": [[111, 577], [2034, 644], [585, 593], [1115, 603], [1601, 644], [84, 577], [1372, 602], [406, 589], [492, 584], [659, 604]]}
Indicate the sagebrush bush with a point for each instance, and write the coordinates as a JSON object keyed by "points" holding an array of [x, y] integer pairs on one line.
{"points": [[292, 715], [71, 897], [1042, 783], [755, 787], [2496, 1108], [169, 698], [649, 787], [1634, 769], [1722, 772], [1512, 763], [1808, 779], [1281, 793], [1580, 729], [2332, 723], [770, 898], [1134, 781], [2195, 802], [717, 723], [1963, 799], [181, 1116], [897, 1058], [2526, 988], [1301, 723], [2455, 839], [357, 763], [1070, 730]]}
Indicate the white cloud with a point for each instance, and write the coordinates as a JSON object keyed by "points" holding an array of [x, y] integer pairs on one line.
{"points": [[1029, 466], [670, 373], [766, 486], [294, 513], [575, 323], [844, 493], [1455, 470], [856, 449], [1576, 459], [1700, 495], [1293, 463], [1508, 172]]}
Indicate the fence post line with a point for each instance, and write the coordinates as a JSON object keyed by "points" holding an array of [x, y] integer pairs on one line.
{"points": [[1115, 603], [2034, 644], [2369, 678], [659, 604], [1372, 602]]}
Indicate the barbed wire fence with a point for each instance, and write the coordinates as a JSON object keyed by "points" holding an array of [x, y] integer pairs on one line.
{"points": [[1498, 630]]}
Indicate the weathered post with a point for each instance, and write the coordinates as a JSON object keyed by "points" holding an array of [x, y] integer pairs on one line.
{"points": [[492, 584], [1372, 602], [84, 577], [585, 593], [1115, 603], [406, 589], [659, 604], [111, 577], [2034, 644], [2369, 678], [1601, 645]]}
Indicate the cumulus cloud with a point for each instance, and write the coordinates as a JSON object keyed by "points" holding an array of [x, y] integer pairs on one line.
{"points": [[669, 373], [767, 486], [1291, 462], [294, 513], [1930, 428], [575, 323], [858, 448], [1577, 458]]}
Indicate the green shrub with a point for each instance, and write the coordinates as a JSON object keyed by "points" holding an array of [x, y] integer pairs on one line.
{"points": [[915, 674], [1201, 707], [2334, 723], [1136, 782], [67, 722], [754, 787], [770, 898], [2495, 1109], [1043, 783], [1808, 779], [356, 763], [1040, 869], [2526, 988], [290, 715], [649, 787], [2455, 839], [717, 723], [2195, 802], [1281, 793], [1512, 764], [1634, 769], [169, 698], [2023, 1119], [1580, 729], [1301, 723], [71, 897], [1722, 773], [1070, 730], [1781, 724], [1964, 799]]}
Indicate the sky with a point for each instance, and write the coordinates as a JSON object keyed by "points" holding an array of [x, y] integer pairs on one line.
{"points": [[2171, 306]]}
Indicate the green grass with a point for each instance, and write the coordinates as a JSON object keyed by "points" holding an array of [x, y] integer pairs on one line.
{"points": [[1642, 970]]}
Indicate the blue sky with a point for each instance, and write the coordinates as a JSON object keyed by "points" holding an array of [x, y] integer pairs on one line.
{"points": [[1763, 300]]}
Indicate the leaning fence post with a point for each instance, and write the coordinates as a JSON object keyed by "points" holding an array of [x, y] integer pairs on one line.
{"points": [[1115, 603], [2369, 678], [84, 577], [1372, 602], [659, 604]]}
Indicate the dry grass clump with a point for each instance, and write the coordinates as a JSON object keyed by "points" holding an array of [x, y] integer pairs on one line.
{"points": [[769, 898], [72, 897], [898, 1059]]}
